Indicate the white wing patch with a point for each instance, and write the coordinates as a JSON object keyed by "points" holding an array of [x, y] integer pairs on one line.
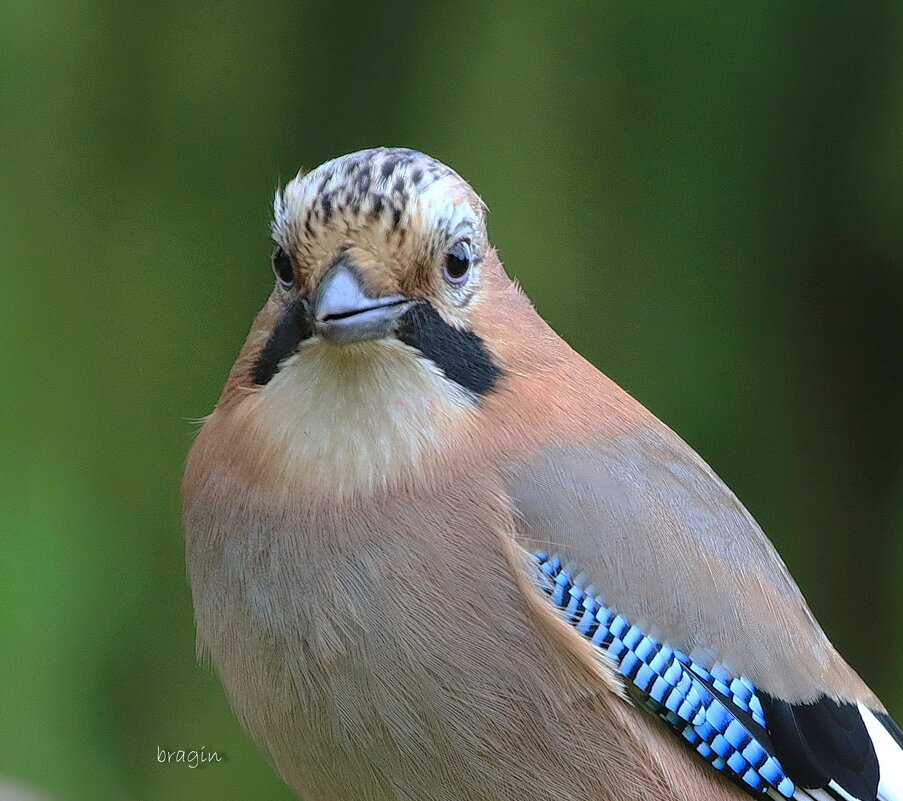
{"points": [[890, 757]]}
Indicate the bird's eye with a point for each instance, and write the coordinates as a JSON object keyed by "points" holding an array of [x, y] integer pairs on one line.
{"points": [[458, 262], [282, 268]]}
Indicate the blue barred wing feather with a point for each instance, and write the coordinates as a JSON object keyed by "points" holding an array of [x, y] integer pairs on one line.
{"points": [[723, 717]]}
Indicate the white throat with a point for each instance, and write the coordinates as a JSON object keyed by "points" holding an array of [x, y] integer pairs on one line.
{"points": [[353, 419]]}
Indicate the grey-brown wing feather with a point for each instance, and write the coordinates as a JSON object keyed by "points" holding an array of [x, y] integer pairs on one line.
{"points": [[671, 549], [669, 546]]}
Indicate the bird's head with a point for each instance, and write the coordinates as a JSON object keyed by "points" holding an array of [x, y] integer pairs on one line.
{"points": [[381, 246], [387, 326]]}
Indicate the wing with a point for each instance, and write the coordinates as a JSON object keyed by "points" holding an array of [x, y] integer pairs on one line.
{"points": [[649, 556]]}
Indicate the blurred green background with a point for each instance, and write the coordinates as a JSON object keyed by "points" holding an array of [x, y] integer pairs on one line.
{"points": [[705, 199]]}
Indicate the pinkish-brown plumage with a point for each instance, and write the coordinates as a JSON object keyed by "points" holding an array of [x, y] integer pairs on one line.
{"points": [[358, 527]]}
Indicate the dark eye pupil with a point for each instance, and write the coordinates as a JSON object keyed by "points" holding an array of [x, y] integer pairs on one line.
{"points": [[282, 267], [456, 266], [457, 263]]}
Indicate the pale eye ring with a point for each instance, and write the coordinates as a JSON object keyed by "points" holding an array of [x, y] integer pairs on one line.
{"points": [[282, 268], [458, 262]]}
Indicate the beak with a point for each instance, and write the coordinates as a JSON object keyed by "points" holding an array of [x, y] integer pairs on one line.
{"points": [[343, 312]]}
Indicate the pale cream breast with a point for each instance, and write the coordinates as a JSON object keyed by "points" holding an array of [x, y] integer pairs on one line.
{"points": [[336, 421]]}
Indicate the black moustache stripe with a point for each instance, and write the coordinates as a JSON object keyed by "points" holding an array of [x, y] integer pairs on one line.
{"points": [[292, 329], [461, 355]]}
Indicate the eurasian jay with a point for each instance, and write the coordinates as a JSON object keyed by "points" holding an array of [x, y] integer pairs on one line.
{"points": [[436, 555]]}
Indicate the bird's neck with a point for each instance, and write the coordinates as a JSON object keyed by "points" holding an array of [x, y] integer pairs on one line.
{"points": [[336, 421]]}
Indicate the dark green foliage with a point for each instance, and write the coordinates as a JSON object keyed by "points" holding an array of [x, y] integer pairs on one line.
{"points": [[705, 199]]}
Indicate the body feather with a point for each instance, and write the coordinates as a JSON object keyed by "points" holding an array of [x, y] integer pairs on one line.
{"points": [[458, 563]]}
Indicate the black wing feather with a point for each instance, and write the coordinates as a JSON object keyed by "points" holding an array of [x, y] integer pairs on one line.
{"points": [[822, 742]]}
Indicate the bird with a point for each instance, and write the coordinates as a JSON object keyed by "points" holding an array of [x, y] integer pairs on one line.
{"points": [[434, 553]]}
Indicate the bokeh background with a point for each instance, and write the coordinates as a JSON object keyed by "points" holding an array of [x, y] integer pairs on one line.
{"points": [[706, 199]]}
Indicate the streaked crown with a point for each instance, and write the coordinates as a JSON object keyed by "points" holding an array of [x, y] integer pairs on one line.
{"points": [[402, 192]]}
